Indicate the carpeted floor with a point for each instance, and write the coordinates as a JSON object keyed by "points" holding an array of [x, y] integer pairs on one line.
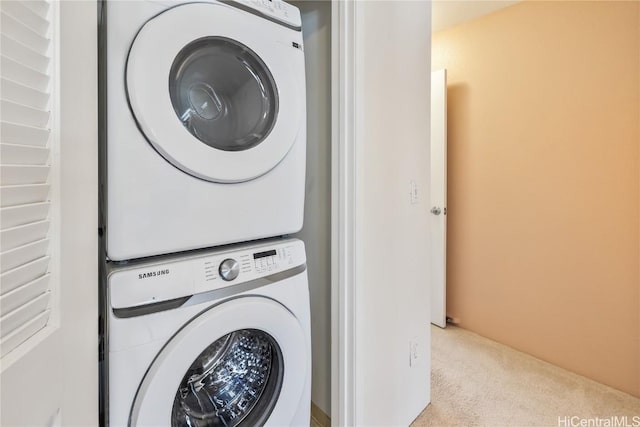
{"points": [[478, 382]]}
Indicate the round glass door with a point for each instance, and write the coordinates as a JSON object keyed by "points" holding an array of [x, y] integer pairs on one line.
{"points": [[223, 93], [235, 381], [223, 368]]}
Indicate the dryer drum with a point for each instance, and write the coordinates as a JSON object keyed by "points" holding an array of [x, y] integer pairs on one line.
{"points": [[223, 93], [235, 381]]}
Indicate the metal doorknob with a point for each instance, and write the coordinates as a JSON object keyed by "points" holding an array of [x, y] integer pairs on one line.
{"points": [[436, 210]]}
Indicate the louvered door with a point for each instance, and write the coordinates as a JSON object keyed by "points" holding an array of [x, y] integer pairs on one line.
{"points": [[25, 182], [48, 213]]}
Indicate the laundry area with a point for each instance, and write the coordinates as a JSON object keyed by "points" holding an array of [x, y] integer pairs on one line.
{"points": [[206, 304], [319, 213]]}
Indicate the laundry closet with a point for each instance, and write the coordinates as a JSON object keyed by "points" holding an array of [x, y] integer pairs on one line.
{"points": [[205, 299]]}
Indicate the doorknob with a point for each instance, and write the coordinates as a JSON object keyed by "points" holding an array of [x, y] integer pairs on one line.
{"points": [[436, 210]]}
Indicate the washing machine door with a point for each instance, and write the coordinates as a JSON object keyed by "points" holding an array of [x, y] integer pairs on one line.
{"points": [[239, 363], [216, 90]]}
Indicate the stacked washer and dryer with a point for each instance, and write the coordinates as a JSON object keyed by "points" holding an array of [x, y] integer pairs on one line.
{"points": [[206, 304]]}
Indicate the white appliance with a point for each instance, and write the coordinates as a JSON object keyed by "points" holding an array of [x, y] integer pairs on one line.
{"points": [[212, 338], [205, 124]]}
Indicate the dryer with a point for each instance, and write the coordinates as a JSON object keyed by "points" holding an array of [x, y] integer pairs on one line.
{"points": [[205, 124], [213, 338]]}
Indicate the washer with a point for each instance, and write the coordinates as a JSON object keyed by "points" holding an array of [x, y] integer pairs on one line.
{"points": [[205, 124], [215, 338]]}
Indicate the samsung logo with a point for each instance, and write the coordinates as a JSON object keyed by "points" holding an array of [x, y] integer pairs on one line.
{"points": [[153, 274]]}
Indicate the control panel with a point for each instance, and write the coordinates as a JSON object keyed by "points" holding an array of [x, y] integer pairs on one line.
{"points": [[275, 9], [153, 282]]}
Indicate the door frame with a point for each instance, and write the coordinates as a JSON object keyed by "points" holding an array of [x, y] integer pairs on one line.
{"points": [[344, 154]]}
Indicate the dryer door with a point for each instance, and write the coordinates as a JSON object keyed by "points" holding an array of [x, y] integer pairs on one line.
{"points": [[216, 90], [239, 363]]}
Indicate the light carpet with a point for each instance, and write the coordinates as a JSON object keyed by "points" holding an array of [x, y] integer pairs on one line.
{"points": [[478, 382]]}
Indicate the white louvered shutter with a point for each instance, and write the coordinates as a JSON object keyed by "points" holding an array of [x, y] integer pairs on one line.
{"points": [[25, 183]]}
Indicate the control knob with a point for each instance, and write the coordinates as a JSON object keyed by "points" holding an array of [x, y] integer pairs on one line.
{"points": [[229, 269]]}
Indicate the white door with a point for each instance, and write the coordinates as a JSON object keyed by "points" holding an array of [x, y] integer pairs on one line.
{"points": [[49, 65], [438, 220], [217, 101]]}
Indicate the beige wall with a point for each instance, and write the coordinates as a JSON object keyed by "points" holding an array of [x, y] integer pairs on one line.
{"points": [[544, 131]]}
